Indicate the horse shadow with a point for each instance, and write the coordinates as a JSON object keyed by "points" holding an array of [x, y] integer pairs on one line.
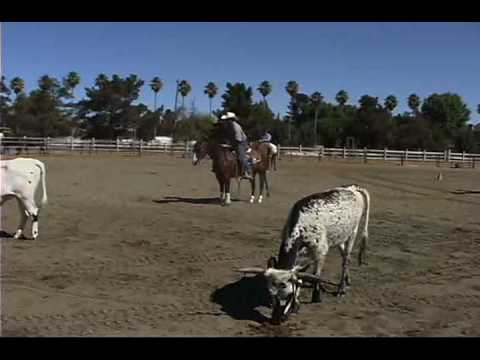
{"points": [[464, 192], [188, 200], [241, 298]]}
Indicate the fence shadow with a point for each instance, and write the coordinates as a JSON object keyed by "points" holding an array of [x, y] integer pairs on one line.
{"points": [[188, 200], [241, 298]]}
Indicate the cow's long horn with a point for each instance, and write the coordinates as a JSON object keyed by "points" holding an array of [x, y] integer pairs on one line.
{"points": [[251, 270], [308, 277]]}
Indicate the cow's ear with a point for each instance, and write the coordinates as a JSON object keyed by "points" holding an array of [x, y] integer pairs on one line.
{"points": [[272, 263]]}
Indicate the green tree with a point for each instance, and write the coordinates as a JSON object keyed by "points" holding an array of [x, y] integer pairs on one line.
{"points": [[390, 103], [156, 85], [109, 105], [292, 88], [70, 82], [265, 89], [341, 97], [4, 101], [447, 110], [316, 99], [17, 85], [211, 91], [238, 99], [414, 103], [184, 89]]}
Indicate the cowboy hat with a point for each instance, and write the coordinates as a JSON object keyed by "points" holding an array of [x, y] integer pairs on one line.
{"points": [[229, 115]]}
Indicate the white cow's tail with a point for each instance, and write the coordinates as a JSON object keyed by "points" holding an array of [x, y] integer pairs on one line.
{"points": [[364, 239], [44, 185]]}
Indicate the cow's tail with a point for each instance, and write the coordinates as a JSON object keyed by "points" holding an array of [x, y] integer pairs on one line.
{"points": [[364, 239], [41, 165]]}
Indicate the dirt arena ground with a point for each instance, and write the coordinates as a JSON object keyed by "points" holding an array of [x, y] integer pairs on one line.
{"points": [[139, 247]]}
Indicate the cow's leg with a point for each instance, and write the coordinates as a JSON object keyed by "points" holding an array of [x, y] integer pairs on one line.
{"points": [[319, 248], [343, 253], [23, 219], [318, 266], [32, 209], [346, 256]]}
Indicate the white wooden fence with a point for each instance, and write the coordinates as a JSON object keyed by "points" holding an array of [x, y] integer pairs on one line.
{"points": [[12, 145]]}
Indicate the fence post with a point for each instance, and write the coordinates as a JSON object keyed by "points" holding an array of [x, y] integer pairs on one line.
{"points": [[71, 144], [344, 152], [300, 148], [47, 145], [384, 153], [448, 155], [118, 144], [140, 147], [424, 155], [92, 145], [473, 162], [406, 154], [24, 144], [165, 148], [445, 155], [320, 153], [365, 154], [278, 152], [463, 156]]}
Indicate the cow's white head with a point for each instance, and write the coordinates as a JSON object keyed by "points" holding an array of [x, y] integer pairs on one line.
{"points": [[283, 287]]}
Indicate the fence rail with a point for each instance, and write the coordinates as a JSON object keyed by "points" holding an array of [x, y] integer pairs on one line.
{"points": [[17, 145]]}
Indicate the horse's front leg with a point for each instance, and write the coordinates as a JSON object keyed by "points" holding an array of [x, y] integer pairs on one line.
{"points": [[222, 191], [227, 192], [252, 186], [262, 185]]}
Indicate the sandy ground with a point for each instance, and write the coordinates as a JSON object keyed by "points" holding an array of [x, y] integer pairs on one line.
{"points": [[134, 246]]}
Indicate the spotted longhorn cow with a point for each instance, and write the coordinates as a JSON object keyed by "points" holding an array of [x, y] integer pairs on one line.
{"points": [[315, 224]]}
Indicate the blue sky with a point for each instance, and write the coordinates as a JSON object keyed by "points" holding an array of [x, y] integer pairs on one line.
{"points": [[378, 59]]}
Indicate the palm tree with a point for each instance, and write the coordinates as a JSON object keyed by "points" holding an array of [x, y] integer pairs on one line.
{"points": [[17, 85], [316, 98], [265, 88], [156, 85], [211, 90], [292, 89], [414, 103], [390, 103], [71, 81], [184, 88], [341, 97], [48, 84]]}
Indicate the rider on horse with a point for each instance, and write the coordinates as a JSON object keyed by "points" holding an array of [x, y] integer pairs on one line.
{"points": [[231, 133]]}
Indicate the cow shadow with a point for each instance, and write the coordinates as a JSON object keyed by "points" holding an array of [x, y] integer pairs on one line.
{"points": [[5, 235], [241, 298], [188, 200]]}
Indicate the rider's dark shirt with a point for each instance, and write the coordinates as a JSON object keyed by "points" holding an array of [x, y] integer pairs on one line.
{"points": [[225, 133]]}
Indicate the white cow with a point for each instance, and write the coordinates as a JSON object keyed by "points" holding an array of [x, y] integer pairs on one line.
{"points": [[20, 178]]}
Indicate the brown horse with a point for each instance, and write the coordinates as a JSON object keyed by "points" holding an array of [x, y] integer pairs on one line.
{"points": [[224, 164], [262, 154]]}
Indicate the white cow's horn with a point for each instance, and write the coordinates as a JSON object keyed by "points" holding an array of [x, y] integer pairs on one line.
{"points": [[251, 270], [308, 277]]}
